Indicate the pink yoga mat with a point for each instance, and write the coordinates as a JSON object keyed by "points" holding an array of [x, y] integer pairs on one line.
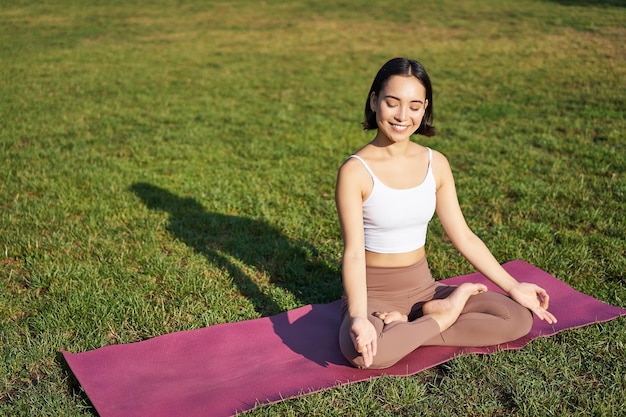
{"points": [[228, 368]]}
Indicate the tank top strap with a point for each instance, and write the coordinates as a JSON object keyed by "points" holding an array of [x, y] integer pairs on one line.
{"points": [[365, 165]]}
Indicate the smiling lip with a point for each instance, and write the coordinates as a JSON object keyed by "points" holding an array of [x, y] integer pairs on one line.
{"points": [[400, 128]]}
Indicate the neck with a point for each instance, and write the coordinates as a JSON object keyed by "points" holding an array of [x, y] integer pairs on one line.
{"points": [[390, 147]]}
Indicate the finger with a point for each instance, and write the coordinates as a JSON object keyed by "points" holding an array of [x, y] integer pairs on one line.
{"points": [[544, 315], [552, 318], [544, 298], [360, 346], [368, 358], [355, 342], [539, 313]]}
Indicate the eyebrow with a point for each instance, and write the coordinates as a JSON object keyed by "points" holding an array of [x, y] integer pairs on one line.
{"points": [[396, 98]]}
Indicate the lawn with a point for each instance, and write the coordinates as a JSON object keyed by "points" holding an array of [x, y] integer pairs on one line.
{"points": [[170, 165]]}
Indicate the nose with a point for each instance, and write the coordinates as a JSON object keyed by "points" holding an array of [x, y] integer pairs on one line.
{"points": [[401, 113]]}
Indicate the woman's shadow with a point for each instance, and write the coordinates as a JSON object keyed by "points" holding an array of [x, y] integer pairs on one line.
{"points": [[229, 241]]}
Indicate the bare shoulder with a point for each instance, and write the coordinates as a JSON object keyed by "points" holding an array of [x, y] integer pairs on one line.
{"points": [[352, 171], [353, 181], [350, 167], [441, 168], [440, 158]]}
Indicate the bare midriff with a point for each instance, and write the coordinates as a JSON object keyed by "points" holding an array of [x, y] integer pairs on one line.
{"points": [[394, 260]]}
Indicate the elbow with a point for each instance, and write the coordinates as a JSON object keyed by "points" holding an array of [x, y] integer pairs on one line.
{"points": [[465, 241], [353, 257]]}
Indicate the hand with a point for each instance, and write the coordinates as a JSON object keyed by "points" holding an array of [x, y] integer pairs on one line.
{"points": [[535, 298], [364, 338]]}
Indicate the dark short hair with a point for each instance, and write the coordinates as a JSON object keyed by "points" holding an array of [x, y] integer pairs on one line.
{"points": [[401, 66]]}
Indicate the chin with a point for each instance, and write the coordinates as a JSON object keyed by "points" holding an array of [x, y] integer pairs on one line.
{"points": [[399, 137]]}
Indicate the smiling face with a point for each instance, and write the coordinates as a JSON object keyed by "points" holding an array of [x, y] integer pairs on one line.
{"points": [[399, 107]]}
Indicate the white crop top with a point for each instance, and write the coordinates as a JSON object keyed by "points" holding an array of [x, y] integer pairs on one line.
{"points": [[396, 220]]}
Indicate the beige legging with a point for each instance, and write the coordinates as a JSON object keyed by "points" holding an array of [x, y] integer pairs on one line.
{"points": [[488, 318]]}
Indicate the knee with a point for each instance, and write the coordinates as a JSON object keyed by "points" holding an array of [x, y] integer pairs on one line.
{"points": [[518, 319], [346, 345], [349, 352], [522, 322], [382, 363], [356, 359], [378, 363]]}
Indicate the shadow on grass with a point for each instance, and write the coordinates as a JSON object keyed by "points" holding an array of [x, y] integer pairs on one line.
{"points": [[225, 239], [230, 242], [73, 384]]}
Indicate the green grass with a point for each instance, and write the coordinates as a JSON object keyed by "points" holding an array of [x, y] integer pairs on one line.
{"points": [[168, 166]]}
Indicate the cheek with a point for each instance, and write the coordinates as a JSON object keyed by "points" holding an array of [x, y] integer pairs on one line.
{"points": [[419, 116], [383, 112]]}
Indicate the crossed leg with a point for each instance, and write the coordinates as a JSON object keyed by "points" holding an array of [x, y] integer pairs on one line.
{"points": [[483, 319]]}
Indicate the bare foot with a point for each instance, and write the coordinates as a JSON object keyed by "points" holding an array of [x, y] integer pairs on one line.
{"points": [[446, 311], [391, 316]]}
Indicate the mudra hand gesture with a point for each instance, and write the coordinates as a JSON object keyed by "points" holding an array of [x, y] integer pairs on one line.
{"points": [[534, 298], [364, 338]]}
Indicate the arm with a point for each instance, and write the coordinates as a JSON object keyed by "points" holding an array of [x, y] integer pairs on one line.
{"points": [[475, 251], [349, 201]]}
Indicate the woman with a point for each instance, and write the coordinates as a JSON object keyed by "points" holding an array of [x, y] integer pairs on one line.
{"points": [[386, 194]]}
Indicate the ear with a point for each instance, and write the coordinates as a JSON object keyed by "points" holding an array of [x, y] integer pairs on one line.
{"points": [[373, 100], [425, 104]]}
